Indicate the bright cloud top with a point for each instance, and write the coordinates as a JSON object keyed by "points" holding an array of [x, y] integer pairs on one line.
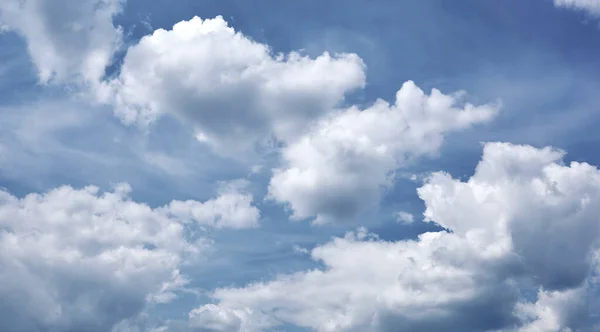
{"points": [[79, 259], [232, 89], [523, 220], [340, 167], [68, 40]]}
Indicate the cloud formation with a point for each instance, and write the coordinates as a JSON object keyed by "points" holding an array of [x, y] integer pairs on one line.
{"points": [[341, 165], [68, 40], [231, 209], [524, 220], [83, 260], [79, 259], [240, 97], [233, 90]]}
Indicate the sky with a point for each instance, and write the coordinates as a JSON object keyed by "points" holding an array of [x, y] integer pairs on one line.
{"points": [[340, 165]]}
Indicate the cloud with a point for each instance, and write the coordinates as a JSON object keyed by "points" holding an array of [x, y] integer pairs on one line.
{"points": [[527, 196], [231, 209], [339, 168], [86, 260], [553, 310], [212, 318], [523, 221], [240, 97], [405, 217], [80, 259], [233, 90], [68, 40], [591, 6]]}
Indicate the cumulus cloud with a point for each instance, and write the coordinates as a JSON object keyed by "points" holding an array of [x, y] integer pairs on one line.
{"points": [[231, 209], [212, 318], [234, 90], [68, 40], [553, 310], [83, 260], [534, 200], [591, 6], [240, 96], [523, 221], [340, 167]]}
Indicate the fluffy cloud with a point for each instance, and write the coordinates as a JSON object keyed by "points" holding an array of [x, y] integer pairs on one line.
{"points": [[239, 96], [532, 200], [340, 167], [523, 221], [67, 39], [212, 318], [82, 260], [232, 89], [231, 209], [591, 6], [372, 285], [553, 310]]}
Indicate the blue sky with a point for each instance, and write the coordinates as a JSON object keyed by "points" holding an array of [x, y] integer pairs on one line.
{"points": [[300, 155]]}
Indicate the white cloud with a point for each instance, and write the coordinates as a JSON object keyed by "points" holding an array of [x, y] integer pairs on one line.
{"points": [[67, 39], [75, 260], [300, 250], [340, 167], [235, 91], [553, 310], [405, 217], [548, 211], [231, 209], [240, 97], [522, 221], [82, 260], [371, 285], [212, 318], [591, 6]]}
